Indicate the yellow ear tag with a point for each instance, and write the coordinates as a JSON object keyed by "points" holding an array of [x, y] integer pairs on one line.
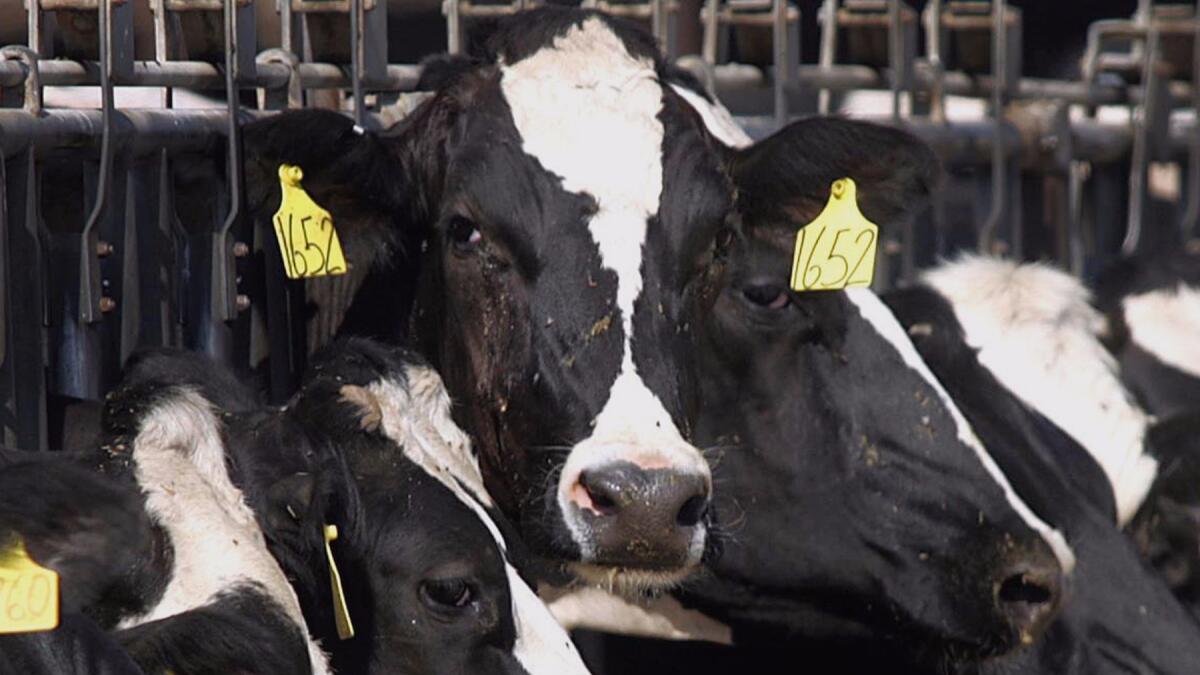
{"points": [[341, 614], [28, 593], [837, 249], [307, 240]]}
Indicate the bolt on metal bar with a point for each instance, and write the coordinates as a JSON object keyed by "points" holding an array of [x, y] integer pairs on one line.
{"points": [[987, 235], [89, 273]]}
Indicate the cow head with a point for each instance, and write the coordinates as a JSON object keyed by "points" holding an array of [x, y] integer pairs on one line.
{"points": [[566, 211], [897, 521]]}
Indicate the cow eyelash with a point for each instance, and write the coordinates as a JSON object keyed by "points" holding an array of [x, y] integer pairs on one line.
{"points": [[443, 594]]}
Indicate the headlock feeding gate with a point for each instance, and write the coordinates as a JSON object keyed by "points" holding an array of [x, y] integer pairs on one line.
{"points": [[124, 226]]}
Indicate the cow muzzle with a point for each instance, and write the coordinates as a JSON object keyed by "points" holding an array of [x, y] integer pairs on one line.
{"points": [[639, 511]]}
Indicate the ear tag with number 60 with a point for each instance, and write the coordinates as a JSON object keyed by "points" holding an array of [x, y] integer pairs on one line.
{"points": [[307, 240], [28, 593], [837, 249]]}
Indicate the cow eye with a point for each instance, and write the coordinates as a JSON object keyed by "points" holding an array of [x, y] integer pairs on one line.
{"points": [[443, 594], [463, 234]]}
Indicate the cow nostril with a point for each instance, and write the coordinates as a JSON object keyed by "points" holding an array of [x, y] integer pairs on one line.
{"points": [[693, 511], [1021, 589], [596, 495], [770, 296]]}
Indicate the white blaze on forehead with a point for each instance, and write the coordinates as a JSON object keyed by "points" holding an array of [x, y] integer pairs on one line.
{"points": [[1037, 333], [1166, 323], [588, 111], [881, 318], [416, 416], [179, 461]]}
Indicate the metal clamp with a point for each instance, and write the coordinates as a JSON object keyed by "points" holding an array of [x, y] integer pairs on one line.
{"points": [[293, 93], [32, 99]]}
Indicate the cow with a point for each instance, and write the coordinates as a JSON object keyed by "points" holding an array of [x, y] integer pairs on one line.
{"points": [[426, 577], [171, 560], [555, 214], [367, 445], [1152, 305], [1036, 331], [1119, 616]]}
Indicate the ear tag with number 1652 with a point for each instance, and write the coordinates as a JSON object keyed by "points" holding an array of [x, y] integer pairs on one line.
{"points": [[837, 249], [307, 240]]}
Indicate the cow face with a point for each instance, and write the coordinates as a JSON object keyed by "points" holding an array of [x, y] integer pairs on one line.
{"points": [[424, 567], [568, 208], [837, 435]]}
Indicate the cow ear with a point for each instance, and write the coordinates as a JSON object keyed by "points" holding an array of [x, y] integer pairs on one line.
{"points": [[379, 187], [788, 175], [289, 500]]}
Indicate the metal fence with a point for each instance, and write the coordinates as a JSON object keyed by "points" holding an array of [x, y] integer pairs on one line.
{"points": [[124, 228]]}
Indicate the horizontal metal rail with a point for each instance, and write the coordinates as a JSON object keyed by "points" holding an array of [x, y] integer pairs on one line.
{"points": [[203, 76]]}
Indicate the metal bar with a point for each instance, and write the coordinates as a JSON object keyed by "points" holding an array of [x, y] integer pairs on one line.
{"points": [[356, 57], [712, 27], [895, 54], [987, 234], [1191, 214], [1141, 147], [224, 283], [829, 11], [454, 27], [202, 75], [933, 37], [89, 272], [781, 55]]}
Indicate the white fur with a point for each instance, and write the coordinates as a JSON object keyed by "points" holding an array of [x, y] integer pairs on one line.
{"points": [[217, 544], [716, 119], [1166, 323], [417, 418], [588, 111], [1037, 332], [884, 322], [659, 617]]}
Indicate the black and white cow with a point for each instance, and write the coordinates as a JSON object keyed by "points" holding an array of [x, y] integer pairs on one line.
{"points": [[1118, 615], [1035, 330], [565, 209], [165, 553], [368, 445], [861, 507], [1152, 303]]}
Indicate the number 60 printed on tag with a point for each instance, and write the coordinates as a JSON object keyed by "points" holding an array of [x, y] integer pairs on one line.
{"points": [[837, 249], [28, 594], [307, 240]]}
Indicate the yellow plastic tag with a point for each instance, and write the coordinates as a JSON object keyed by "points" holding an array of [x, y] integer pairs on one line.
{"points": [[837, 249], [307, 240], [28, 594], [341, 613]]}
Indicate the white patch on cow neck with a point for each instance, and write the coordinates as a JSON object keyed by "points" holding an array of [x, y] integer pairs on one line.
{"points": [[587, 110], [881, 318], [416, 417], [716, 119], [660, 617], [1037, 333], [1166, 323], [179, 461]]}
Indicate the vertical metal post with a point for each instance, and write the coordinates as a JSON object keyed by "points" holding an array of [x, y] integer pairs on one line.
{"points": [[828, 53], [1191, 215], [224, 282], [356, 57], [933, 40], [89, 271], [712, 27], [996, 213], [1140, 154], [454, 29], [782, 57], [895, 55]]}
